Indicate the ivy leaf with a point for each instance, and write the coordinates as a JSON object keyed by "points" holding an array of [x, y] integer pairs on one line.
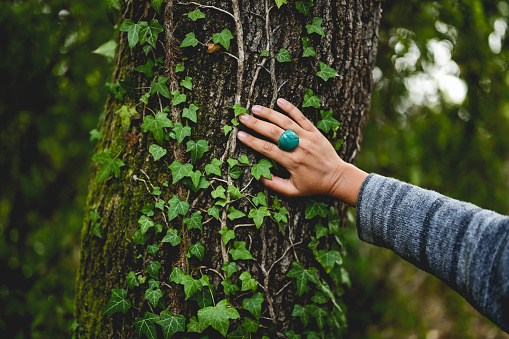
{"points": [[153, 296], [177, 207], [195, 178], [227, 129], [132, 281], [146, 325], [304, 6], [262, 169], [153, 249], [157, 151], [133, 31], [234, 192], [214, 167], [300, 311], [232, 162], [95, 135], [328, 259], [179, 171], [219, 192], [191, 285], [229, 287], [171, 324], [302, 276], [179, 68], [196, 14], [189, 40], [316, 27], [319, 313], [244, 159], [319, 298], [308, 50], [109, 165], [280, 216], [223, 38], [321, 231], [197, 149], [145, 224], [248, 283], [265, 53], [236, 172], [314, 208], [157, 5], [176, 275], [326, 72], [149, 33], [197, 250], [258, 214], [204, 297], [328, 122], [280, 3], [153, 269], [217, 316], [250, 325], [156, 191], [172, 237], [112, 4], [194, 221], [117, 302], [240, 251], [187, 83], [260, 199], [238, 110], [283, 56], [229, 268], [139, 238], [234, 213], [254, 305], [227, 234], [178, 98], [190, 113], [160, 87], [181, 132], [310, 100], [146, 69]]}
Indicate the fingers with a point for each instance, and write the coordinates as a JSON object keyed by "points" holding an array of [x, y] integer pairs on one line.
{"points": [[264, 128], [277, 118], [264, 147], [280, 185], [295, 114]]}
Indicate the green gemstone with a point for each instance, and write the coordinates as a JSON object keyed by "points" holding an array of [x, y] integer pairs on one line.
{"points": [[288, 141]]}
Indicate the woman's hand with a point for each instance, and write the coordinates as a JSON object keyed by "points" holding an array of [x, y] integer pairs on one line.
{"points": [[314, 166]]}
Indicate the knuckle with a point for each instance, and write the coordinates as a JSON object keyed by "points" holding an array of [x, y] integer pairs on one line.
{"points": [[268, 147], [287, 122], [274, 132]]}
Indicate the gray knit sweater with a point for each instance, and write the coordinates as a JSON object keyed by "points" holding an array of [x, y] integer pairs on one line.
{"points": [[461, 244]]}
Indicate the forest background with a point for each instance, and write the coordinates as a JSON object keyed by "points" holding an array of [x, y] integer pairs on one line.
{"points": [[439, 119]]}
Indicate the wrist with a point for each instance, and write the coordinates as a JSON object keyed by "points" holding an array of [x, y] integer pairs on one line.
{"points": [[348, 184]]}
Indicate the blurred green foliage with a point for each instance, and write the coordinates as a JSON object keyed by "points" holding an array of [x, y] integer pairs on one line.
{"points": [[421, 130]]}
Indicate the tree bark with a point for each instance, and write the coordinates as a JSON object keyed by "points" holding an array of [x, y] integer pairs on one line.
{"points": [[220, 80]]}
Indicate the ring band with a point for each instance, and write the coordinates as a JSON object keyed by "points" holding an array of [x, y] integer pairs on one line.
{"points": [[288, 140]]}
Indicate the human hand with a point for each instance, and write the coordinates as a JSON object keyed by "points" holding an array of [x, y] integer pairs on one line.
{"points": [[315, 167]]}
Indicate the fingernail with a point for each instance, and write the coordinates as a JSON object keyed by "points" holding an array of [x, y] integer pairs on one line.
{"points": [[243, 118], [281, 102], [241, 135], [257, 109]]}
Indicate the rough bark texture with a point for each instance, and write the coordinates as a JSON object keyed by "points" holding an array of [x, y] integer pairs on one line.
{"points": [[219, 82]]}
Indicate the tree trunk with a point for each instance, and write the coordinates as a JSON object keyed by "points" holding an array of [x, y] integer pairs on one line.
{"points": [[220, 80]]}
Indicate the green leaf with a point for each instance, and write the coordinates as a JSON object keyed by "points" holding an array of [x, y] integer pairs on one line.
{"points": [[227, 234], [153, 296], [197, 250], [133, 31], [196, 14], [283, 56], [97, 230], [179, 171], [254, 304], [310, 100], [95, 135], [146, 69], [181, 132], [227, 129], [193, 325], [189, 40], [112, 4], [321, 231], [328, 122], [214, 212], [229, 287], [153, 249], [195, 178], [107, 49], [316, 27], [190, 113], [308, 50], [171, 324], [319, 313], [234, 192], [236, 172], [204, 298], [248, 283], [147, 49], [176, 275], [232, 162], [234, 213], [319, 298], [240, 251], [314, 208], [132, 281], [291, 335], [280, 216], [260, 199], [144, 98], [149, 33], [197, 149], [300, 311], [218, 193], [178, 98], [280, 3], [172, 237], [313, 244], [235, 122], [117, 302], [157, 5], [223, 38], [177, 207], [179, 68], [157, 151], [238, 110], [244, 159], [153, 269], [160, 87], [250, 325], [187, 83], [191, 285], [146, 325], [326, 72], [214, 167], [217, 316], [262, 169], [139, 238], [109, 165], [302, 276], [265, 53], [156, 191], [304, 6], [229, 268], [194, 221], [328, 259], [258, 215]]}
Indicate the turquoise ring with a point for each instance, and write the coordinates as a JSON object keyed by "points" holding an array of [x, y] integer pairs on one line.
{"points": [[288, 141]]}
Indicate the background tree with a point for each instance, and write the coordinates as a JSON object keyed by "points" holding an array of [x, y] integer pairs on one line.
{"points": [[178, 235]]}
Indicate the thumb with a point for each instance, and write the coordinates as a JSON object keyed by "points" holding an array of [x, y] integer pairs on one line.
{"points": [[280, 185]]}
